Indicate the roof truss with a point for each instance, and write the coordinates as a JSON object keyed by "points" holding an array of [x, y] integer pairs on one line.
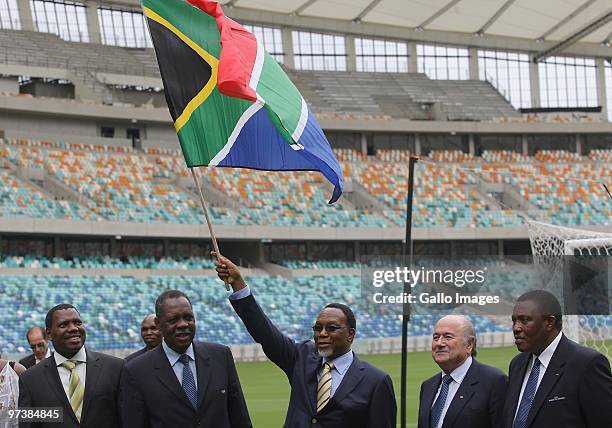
{"points": [[565, 20], [495, 16], [576, 36]]}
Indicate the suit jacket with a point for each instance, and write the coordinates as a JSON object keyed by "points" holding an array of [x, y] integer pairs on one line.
{"points": [[154, 398], [28, 361], [478, 403], [40, 386], [364, 398], [576, 390], [135, 354]]}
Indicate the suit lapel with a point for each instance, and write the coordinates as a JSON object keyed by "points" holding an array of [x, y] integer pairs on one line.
{"points": [[514, 388], [464, 393], [313, 364], [351, 379], [553, 373], [92, 374], [204, 371], [54, 380], [429, 392], [166, 376]]}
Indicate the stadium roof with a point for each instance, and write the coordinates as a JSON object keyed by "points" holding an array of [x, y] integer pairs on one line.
{"points": [[552, 20], [541, 26]]}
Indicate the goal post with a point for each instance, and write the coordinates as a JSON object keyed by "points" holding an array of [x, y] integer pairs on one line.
{"points": [[564, 254]]}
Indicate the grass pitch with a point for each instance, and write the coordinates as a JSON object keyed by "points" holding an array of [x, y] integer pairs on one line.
{"points": [[267, 390]]}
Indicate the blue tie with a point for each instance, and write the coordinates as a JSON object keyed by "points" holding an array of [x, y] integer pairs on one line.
{"points": [[188, 382], [530, 390], [436, 410]]}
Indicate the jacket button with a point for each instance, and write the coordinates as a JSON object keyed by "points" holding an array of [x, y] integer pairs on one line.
{"points": [[314, 420]]}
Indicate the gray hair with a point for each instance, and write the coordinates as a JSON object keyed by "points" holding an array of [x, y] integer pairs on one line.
{"points": [[469, 333]]}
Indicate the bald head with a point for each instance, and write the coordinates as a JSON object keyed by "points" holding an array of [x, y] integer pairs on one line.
{"points": [[149, 332]]}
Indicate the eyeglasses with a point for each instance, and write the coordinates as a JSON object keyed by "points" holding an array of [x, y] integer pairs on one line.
{"points": [[40, 345], [317, 328]]}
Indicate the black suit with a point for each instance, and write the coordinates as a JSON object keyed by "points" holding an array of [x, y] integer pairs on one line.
{"points": [[364, 398], [135, 354], [478, 403], [40, 386], [28, 361], [153, 396], [575, 392]]}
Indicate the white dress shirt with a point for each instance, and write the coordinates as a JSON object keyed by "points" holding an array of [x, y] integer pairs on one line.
{"points": [[544, 358], [177, 366], [64, 373], [457, 375]]}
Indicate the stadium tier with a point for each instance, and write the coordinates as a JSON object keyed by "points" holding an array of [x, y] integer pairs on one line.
{"points": [[288, 199], [106, 262], [398, 95], [19, 198], [113, 306], [452, 188]]}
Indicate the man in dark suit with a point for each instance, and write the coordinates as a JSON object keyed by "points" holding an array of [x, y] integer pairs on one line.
{"points": [[150, 335], [330, 386], [39, 343], [182, 383], [466, 393], [554, 382], [84, 383]]}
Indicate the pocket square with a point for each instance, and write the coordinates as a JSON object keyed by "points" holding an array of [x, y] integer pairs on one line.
{"points": [[556, 398], [222, 391]]}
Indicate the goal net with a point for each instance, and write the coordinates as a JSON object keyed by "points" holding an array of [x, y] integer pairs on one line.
{"points": [[550, 244]]}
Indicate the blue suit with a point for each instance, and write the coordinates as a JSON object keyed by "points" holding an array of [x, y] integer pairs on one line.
{"points": [[364, 398], [478, 403], [575, 392]]}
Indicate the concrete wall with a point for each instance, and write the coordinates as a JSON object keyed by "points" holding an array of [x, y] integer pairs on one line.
{"points": [[24, 125], [61, 109], [9, 84], [42, 89]]}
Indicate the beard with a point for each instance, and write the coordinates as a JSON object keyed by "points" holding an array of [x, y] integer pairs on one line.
{"points": [[325, 354]]}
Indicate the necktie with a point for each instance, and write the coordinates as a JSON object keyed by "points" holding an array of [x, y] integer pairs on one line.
{"points": [[188, 381], [530, 390], [324, 386], [436, 410], [76, 390]]}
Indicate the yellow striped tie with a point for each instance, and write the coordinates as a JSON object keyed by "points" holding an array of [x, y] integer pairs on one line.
{"points": [[324, 386], [76, 390]]}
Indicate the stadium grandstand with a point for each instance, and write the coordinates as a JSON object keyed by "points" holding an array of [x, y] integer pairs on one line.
{"points": [[507, 104]]}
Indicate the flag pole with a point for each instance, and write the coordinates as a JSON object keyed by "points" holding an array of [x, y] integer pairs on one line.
{"points": [[406, 259], [196, 180]]}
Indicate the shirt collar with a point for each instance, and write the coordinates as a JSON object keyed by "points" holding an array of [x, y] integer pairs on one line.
{"points": [[459, 373], [80, 356], [341, 363], [173, 356], [47, 355], [547, 354]]}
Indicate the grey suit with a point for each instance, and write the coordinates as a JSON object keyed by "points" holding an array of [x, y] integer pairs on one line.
{"points": [[40, 386]]}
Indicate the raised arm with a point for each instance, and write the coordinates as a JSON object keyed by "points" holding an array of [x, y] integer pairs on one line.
{"points": [[279, 348]]}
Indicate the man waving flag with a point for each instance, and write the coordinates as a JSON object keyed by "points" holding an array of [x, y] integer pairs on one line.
{"points": [[232, 104]]}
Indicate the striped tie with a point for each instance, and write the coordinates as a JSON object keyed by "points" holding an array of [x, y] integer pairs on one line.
{"points": [[76, 390], [528, 395], [188, 383], [436, 410], [324, 386]]}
